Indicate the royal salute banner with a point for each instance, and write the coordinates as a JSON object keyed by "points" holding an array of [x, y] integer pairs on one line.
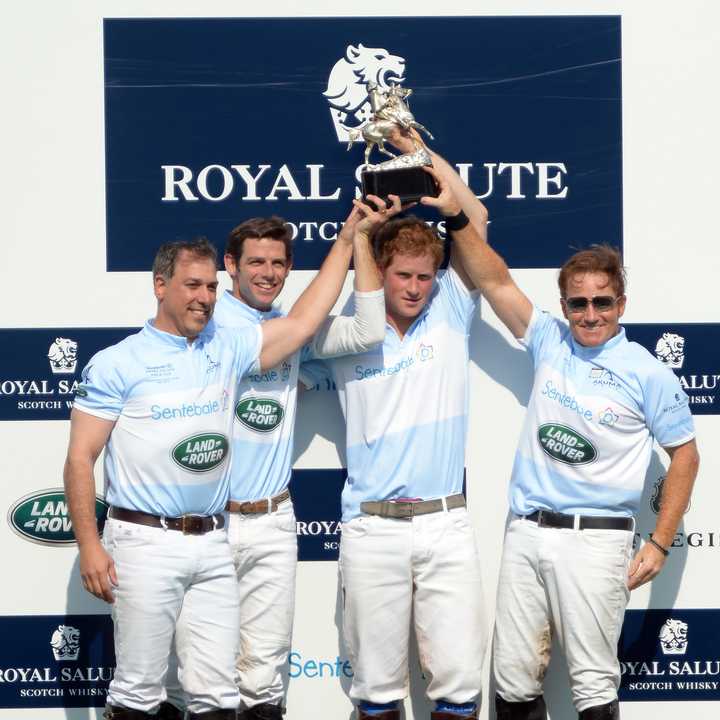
{"points": [[212, 121], [692, 352], [670, 654], [55, 660], [39, 377]]}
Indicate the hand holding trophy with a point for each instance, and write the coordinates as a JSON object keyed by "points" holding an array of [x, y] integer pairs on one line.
{"points": [[403, 175]]}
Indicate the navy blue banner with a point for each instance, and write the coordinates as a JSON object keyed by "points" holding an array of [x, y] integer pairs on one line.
{"points": [[40, 372], [692, 351], [316, 498], [670, 655], [55, 660], [208, 124]]}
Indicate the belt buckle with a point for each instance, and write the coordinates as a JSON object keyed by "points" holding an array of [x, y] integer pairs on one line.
{"points": [[191, 525]]}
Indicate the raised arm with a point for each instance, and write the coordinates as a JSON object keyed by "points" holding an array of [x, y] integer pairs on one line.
{"points": [[283, 336], [649, 560], [341, 335], [88, 435], [476, 262]]}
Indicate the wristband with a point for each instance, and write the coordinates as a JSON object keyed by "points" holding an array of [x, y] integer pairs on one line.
{"points": [[663, 550], [456, 222]]}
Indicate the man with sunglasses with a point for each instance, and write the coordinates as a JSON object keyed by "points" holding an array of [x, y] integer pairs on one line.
{"points": [[597, 404]]}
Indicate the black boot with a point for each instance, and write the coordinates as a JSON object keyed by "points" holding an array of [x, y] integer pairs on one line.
{"points": [[531, 710], [262, 711], [386, 715], [217, 714], [118, 712], [167, 711], [609, 711]]}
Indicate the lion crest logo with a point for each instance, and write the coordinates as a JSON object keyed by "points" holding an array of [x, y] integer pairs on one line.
{"points": [[346, 92], [63, 356], [670, 350], [673, 637], [65, 643]]}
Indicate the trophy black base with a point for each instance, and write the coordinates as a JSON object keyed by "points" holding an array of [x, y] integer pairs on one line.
{"points": [[409, 184]]}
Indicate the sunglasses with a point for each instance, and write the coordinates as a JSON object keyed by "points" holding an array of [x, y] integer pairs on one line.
{"points": [[599, 302]]}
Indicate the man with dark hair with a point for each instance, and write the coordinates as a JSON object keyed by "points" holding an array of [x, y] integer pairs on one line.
{"points": [[161, 404], [597, 404], [261, 527], [408, 552]]}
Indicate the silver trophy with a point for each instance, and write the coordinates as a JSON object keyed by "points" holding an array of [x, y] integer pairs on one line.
{"points": [[403, 175]]}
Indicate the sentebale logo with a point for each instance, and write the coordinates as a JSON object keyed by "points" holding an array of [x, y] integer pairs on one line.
{"points": [[201, 453], [260, 414], [43, 517], [565, 445]]}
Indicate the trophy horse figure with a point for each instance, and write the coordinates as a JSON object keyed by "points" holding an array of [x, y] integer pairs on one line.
{"points": [[390, 111]]}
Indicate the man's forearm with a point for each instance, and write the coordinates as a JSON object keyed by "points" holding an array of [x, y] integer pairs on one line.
{"points": [[676, 492], [367, 275], [314, 305], [80, 495]]}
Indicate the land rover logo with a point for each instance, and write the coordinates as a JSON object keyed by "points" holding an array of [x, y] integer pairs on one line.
{"points": [[564, 444], [200, 453], [43, 517], [259, 414]]}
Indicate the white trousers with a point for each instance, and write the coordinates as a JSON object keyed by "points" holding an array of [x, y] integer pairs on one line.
{"points": [[264, 552], [427, 567], [568, 583], [170, 584], [264, 549]]}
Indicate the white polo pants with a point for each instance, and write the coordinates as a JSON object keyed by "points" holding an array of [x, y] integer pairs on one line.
{"points": [[264, 552], [170, 584], [264, 549], [427, 567], [568, 583]]}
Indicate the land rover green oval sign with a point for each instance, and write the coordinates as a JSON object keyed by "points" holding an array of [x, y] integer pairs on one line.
{"points": [[259, 414], [201, 453], [43, 517], [566, 445]]}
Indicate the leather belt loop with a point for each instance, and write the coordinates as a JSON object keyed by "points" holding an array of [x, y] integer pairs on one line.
{"points": [[576, 522], [444, 504]]}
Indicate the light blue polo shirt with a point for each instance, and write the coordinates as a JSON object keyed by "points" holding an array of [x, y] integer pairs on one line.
{"points": [[591, 421], [264, 411], [172, 404], [406, 404]]}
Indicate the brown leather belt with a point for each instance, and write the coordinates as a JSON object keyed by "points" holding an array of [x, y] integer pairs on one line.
{"points": [[258, 506], [187, 524], [393, 509]]}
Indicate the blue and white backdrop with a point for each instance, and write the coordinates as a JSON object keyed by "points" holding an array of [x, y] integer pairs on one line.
{"points": [[130, 124]]}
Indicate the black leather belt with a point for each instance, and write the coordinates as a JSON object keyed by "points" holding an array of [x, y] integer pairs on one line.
{"points": [[547, 518], [187, 524], [407, 509]]}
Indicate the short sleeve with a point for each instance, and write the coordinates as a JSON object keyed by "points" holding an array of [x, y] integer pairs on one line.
{"points": [[248, 346], [101, 390], [667, 408], [460, 301], [543, 334]]}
